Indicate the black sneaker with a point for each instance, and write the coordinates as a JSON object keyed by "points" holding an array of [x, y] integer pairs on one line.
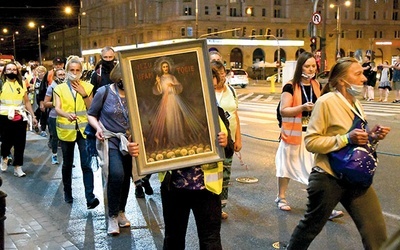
{"points": [[147, 188], [93, 204], [139, 192], [68, 198]]}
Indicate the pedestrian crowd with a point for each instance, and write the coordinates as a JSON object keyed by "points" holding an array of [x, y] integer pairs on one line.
{"points": [[90, 110]]}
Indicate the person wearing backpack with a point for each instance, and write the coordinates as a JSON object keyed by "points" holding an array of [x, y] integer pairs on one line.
{"points": [[59, 78]]}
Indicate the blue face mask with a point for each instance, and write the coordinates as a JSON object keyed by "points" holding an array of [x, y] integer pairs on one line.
{"points": [[354, 89]]}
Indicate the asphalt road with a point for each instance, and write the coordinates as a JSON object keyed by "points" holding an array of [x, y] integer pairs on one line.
{"points": [[254, 221]]}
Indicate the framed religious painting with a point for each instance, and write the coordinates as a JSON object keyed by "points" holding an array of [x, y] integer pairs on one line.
{"points": [[172, 107]]}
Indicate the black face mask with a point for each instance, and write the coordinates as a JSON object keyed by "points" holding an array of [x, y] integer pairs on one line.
{"points": [[107, 65], [59, 80], [11, 76], [120, 85]]}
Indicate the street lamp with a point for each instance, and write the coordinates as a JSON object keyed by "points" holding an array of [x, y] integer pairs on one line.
{"points": [[5, 31], [338, 25], [32, 25]]}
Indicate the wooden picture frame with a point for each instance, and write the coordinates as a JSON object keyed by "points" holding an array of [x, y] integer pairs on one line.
{"points": [[172, 106]]}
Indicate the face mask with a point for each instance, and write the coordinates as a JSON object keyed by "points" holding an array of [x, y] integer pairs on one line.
{"points": [[60, 80], [354, 89], [120, 85], [11, 76], [107, 65], [73, 77], [308, 76]]}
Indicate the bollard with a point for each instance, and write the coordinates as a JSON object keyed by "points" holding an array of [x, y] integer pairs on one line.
{"points": [[273, 78], [2, 215]]}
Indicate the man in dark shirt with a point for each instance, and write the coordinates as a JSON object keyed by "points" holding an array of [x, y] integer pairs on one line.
{"points": [[101, 75]]}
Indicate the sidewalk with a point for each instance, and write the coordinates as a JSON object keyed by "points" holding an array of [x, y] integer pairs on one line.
{"points": [[26, 227]]}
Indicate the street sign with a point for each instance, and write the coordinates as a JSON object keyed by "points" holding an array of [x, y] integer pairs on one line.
{"points": [[316, 18]]}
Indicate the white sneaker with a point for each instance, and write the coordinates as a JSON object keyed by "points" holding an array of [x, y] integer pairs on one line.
{"points": [[4, 165], [122, 220], [18, 171], [113, 227], [336, 214]]}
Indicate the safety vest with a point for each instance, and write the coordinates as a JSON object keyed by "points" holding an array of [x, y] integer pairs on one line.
{"points": [[66, 130], [213, 172], [292, 126], [11, 97]]}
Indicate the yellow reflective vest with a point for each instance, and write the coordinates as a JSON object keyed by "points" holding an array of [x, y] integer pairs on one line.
{"points": [[11, 97], [66, 130], [213, 172]]}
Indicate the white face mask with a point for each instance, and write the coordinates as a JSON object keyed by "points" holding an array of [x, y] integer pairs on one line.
{"points": [[308, 76], [73, 77], [354, 89]]}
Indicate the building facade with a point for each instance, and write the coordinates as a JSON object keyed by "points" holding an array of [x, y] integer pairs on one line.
{"points": [[364, 26]]}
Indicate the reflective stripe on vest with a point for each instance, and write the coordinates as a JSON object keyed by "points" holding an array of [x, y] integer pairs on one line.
{"points": [[66, 130], [12, 102], [291, 130]]}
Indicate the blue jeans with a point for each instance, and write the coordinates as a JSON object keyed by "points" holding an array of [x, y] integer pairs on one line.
{"points": [[53, 132], [68, 159], [119, 180], [324, 193], [206, 207]]}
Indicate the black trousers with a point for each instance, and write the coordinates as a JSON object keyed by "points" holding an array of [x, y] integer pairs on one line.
{"points": [[206, 207], [13, 134]]}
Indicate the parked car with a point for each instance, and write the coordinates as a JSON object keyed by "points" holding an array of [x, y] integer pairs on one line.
{"points": [[237, 77], [323, 77]]}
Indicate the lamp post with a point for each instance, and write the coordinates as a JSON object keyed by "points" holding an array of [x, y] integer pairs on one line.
{"points": [[32, 25], [5, 31], [338, 26]]}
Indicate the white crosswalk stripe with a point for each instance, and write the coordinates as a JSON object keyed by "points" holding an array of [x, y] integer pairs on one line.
{"points": [[256, 108]]}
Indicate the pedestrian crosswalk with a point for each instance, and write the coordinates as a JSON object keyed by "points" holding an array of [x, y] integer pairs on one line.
{"points": [[255, 108]]}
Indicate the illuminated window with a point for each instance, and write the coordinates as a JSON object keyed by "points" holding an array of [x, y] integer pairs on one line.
{"points": [[359, 34]]}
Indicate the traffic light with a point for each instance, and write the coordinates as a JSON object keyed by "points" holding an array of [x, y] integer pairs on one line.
{"points": [[268, 33], [313, 44], [253, 33], [244, 31]]}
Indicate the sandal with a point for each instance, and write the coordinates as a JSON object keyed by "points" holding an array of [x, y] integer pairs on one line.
{"points": [[282, 204]]}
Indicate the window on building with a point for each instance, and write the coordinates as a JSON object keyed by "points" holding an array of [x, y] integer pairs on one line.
{"points": [[397, 34], [374, 15], [277, 13], [187, 1], [218, 10], [395, 4], [395, 16], [209, 30], [215, 30], [233, 1], [378, 34], [357, 15], [264, 12], [232, 12], [236, 33], [279, 33], [261, 32], [183, 32], [357, 3], [359, 34], [206, 10], [187, 11], [277, 2], [251, 10], [300, 33]]}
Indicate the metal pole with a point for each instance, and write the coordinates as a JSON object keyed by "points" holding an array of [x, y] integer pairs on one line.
{"points": [[40, 47], [15, 53], [197, 19], [323, 37], [338, 55]]}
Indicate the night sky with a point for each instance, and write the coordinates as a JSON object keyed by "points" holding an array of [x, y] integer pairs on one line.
{"points": [[15, 16]]}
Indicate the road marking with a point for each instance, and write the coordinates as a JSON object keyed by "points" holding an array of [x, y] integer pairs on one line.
{"points": [[246, 96], [269, 98], [257, 98]]}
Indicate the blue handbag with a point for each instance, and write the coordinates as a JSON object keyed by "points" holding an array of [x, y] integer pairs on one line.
{"points": [[355, 164]]}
